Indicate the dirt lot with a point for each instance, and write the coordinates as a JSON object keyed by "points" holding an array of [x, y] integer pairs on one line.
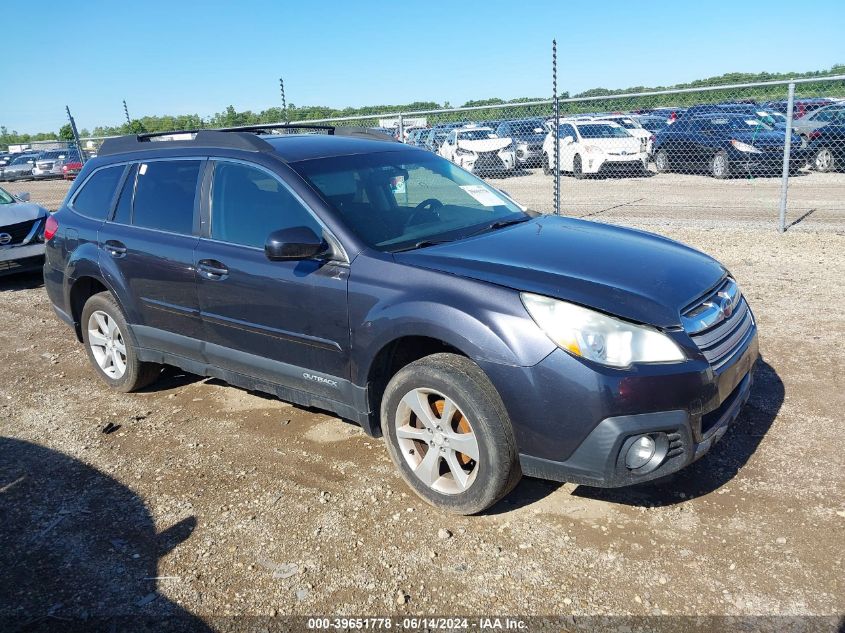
{"points": [[212, 501]]}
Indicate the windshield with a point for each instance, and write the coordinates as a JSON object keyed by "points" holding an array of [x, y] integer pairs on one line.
{"points": [[476, 135], [395, 200], [20, 160], [5, 197], [599, 130], [527, 128], [628, 124], [737, 124]]}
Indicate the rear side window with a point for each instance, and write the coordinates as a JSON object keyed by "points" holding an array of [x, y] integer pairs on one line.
{"points": [[164, 195], [247, 204], [95, 196]]}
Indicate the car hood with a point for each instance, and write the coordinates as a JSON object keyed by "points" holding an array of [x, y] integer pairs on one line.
{"points": [[15, 168], [20, 212], [485, 145], [632, 274], [619, 143]]}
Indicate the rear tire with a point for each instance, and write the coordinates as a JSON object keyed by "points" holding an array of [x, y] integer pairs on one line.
{"points": [[111, 347], [577, 167], [432, 407], [720, 166]]}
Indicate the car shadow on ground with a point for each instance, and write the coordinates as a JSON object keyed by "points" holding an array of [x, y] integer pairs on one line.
{"points": [[709, 473], [79, 550], [721, 464], [22, 281]]}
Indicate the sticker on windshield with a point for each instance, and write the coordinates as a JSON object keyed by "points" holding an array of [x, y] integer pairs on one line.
{"points": [[483, 195], [397, 185]]}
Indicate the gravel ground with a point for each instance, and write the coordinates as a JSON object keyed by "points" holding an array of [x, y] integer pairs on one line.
{"points": [[212, 501]]}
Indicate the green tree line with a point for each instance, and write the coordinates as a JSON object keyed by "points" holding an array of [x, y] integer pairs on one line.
{"points": [[231, 117]]}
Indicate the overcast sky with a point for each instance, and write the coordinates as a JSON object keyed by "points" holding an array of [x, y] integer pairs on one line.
{"points": [[186, 57]]}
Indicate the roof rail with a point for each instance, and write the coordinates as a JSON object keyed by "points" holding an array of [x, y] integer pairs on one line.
{"points": [[201, 138], [331, 130], [243, 137]]}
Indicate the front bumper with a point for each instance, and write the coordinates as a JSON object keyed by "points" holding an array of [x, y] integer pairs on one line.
{"points": [[604, 163], [574, 421]]}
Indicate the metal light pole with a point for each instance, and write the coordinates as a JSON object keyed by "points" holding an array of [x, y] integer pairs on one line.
{"points": [[126, 112]]}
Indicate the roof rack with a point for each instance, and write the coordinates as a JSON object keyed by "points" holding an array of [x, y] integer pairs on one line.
{"points": [[241, 137], [201, 138]]}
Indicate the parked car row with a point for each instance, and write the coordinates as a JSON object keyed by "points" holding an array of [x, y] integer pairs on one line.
{"points": [[721, 139], [54, 163]]}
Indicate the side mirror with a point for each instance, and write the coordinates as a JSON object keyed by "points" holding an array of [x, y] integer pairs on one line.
{"points": [[23, 197], [295, 243]]}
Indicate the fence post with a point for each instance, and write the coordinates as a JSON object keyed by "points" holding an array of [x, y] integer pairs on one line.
{"points": [[787, 148], [401, 128], [556, 131]]}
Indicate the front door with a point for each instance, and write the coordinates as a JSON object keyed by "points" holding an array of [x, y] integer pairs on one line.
{"points": [[281, 321]]}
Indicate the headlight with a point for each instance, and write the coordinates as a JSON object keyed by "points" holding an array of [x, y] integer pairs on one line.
{"points": [[598, 337], [745, 147], [464, 152], [507, 148], [593, 148]]}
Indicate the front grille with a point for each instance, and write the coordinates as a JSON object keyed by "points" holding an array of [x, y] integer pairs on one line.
{"points": [[720, 323], [18, 231]]}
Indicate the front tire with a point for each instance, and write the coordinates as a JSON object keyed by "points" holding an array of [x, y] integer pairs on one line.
{"points": [[824, 160], [720, 166], [448, 433], [577, 167], [111, 347]]}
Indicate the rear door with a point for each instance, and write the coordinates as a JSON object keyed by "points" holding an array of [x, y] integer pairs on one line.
{"points": [[147, 249], [284, 322]]}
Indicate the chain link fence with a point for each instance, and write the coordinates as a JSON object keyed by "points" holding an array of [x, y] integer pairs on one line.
{"points": [[765, 154], [768, 153]]}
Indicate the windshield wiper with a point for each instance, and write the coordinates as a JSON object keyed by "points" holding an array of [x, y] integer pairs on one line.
{"points": [[498, 224], [420, 244]]}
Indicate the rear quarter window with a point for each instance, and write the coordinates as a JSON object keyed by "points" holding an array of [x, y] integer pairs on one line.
{"points": [[95, 197]]}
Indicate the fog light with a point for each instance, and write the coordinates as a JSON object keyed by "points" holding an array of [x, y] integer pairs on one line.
{"points": [[640, 453]]}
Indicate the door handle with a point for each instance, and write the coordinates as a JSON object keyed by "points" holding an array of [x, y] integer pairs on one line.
{"points": [[212, 269], [114, 248]]}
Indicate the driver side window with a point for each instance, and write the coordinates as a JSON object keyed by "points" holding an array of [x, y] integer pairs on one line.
{"points": [[247, 204]]}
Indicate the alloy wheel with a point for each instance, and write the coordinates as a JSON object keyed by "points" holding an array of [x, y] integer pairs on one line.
{"points": [[824, 160], [107, 345], [437, 441]]}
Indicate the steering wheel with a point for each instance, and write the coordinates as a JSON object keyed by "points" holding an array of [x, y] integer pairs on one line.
{"points": [[425, 211]]}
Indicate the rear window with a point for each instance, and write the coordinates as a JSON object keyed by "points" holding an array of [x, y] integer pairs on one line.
{"points": [[164, 195], [95, 196]]}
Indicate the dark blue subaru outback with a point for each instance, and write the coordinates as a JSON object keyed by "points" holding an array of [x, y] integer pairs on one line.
{"points": [[383, 283]]}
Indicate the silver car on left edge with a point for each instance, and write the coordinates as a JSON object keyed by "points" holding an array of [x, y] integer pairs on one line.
{"points": [[21, 233]]}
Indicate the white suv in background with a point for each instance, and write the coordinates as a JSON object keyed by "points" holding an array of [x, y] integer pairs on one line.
{"points": [[591, 147], [479, 150]]}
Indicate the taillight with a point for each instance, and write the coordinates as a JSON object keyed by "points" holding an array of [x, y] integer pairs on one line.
{"points": [[814, 135], [50, 228]]}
